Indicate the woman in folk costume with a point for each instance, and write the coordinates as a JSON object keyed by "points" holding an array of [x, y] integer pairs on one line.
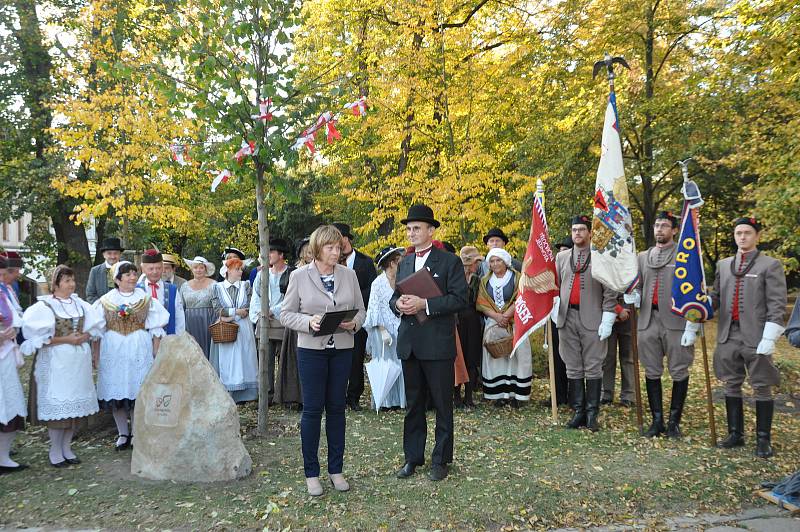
{"points": [[236, 362], [12, 398], [470, 326], [134, 324], [506, 378], [197, 295], [58, 329], [381, 323]]}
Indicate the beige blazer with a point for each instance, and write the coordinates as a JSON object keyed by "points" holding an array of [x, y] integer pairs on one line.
{"points": [[305, 296], [762, 298], [647, 283], [595, 298]]}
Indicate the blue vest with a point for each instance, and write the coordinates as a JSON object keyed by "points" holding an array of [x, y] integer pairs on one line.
{"points": [[170, 291]]}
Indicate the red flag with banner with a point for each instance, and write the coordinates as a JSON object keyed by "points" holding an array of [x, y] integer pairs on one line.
{"points": [[537, 284]]}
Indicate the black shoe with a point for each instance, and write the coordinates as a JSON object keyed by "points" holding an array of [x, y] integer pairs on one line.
{"points": [[606, 401], [438, 472], [355, 407], [734, 408], [13, 469], [594, 389], [627, 403], [61, 464], [577, 399], [124, 445], [679, 390], [73, 461], [654, 399], [514, 403], [406, 471], [499, 403], [764, 411]]}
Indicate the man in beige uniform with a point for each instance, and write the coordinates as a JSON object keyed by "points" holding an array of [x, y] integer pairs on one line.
{"points": [[750, 295], [661, 332], [586, 314]]}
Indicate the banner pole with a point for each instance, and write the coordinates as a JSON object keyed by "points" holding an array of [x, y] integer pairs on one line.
{"points": [[709, 399], [548, 336], [637, 385]]}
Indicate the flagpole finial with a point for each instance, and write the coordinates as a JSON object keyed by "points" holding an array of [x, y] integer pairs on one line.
{"points": [[684, 164], [691, 192], [608, 61]]}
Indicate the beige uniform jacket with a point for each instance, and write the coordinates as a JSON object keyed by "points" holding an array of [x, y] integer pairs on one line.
{"points": [[595, 298], [647, 285]]}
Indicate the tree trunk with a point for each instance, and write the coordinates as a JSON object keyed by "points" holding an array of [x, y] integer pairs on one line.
{"points": [[264, 347], [405, 145], [648, 166]]}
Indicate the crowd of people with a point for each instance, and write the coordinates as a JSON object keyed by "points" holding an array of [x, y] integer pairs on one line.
{"points": [[442, 344]]}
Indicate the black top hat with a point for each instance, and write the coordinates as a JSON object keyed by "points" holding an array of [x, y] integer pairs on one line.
{"points": [[235, 251], [495, 231], [344, 229], [278, 244], [386, 253], [581, 219], [420, 213], [667, 215], [752, 222], [111, 244]]}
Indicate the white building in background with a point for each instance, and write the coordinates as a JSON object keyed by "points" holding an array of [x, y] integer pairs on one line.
{"points": [[12, 238]]}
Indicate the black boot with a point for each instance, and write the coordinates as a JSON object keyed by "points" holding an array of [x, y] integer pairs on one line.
{"points": [[679, 389], [457, 401], [764, 410], [468, 396], [654, 399], [594, 390], [734, 408], [577, 398]]}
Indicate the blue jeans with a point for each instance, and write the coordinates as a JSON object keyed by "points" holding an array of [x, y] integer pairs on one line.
{"points": [[323, 380]]}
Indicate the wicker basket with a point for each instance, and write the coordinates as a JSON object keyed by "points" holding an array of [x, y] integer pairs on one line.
{"points": [[498, 341], [223, 332]]}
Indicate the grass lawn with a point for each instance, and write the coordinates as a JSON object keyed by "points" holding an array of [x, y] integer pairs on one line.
{"points": [[513, 469]]}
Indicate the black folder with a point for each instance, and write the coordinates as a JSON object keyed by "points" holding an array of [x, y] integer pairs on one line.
{"points": [[331, 320]]}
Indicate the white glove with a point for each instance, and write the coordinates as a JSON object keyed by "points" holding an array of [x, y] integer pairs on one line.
{"points": [[556, 307], [689, 333], [771, 333], [634, 298], [606, 323], [385, 336]]}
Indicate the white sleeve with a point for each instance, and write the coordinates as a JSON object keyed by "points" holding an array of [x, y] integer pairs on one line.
{"points": [[157, 319], [180, 318], [255, 300], [94, 321], [38, 328]]}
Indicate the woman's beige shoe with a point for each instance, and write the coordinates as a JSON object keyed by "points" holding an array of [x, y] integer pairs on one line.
{"points": [[339, 483], [314, 487]]}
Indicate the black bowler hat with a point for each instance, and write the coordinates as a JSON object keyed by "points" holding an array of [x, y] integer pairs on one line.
{"points": [[344, 229], [278, 244], [752, 222], [111, 244], [387, 252], [420, 213], [581, 219], [495, 231], [239, 253], [667, 215]]}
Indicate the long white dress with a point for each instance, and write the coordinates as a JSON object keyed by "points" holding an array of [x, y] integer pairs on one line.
{"points": [[64, 384], [380, 315], [12, 398], [125, 359]]}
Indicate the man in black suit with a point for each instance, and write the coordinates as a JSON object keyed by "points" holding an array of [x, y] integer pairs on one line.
{"points": [[428, 349], [100, 278], [365, 272]]}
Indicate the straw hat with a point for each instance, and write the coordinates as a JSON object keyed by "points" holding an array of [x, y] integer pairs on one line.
{"points": [[210, 268]]}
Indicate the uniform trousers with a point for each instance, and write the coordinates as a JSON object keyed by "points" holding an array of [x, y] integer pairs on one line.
{"points": [[580, 348], [619, 343], [657, 342], [733, 361]]}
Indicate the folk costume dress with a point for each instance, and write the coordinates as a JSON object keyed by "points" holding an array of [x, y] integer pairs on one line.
{"points": [[199, 314], [508, 377], [236, 362], [131, 321], [12, 398], [380, 315], [62, 387]]}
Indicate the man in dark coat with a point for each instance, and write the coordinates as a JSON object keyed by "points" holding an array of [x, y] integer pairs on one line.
{"points": [[427, 349], [365, 272], [100, 278]]}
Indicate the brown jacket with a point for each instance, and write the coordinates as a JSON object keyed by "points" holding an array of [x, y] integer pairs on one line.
{"points": [[306, 296], [647, 284], [762, 297], [595, 298]]}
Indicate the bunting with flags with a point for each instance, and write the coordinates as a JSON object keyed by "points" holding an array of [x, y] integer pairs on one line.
{"points": [[537, 283], [613, 248]]}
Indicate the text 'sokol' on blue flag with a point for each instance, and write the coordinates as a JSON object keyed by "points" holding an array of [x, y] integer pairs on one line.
{"points": [[689, 298]]}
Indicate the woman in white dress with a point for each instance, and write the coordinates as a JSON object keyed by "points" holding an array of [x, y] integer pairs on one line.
{"points": [[58, 329], [236, 362], [507, 378], [381, 323], [12, 398], [134, 324]]}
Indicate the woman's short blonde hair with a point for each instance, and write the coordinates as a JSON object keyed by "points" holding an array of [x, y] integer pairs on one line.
{"points": [[321, 237]]}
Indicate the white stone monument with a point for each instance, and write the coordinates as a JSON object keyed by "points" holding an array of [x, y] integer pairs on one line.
{"points": [[185, 425]]}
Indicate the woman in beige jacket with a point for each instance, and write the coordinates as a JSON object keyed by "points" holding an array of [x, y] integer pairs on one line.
{"points": [[323, 361]]}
